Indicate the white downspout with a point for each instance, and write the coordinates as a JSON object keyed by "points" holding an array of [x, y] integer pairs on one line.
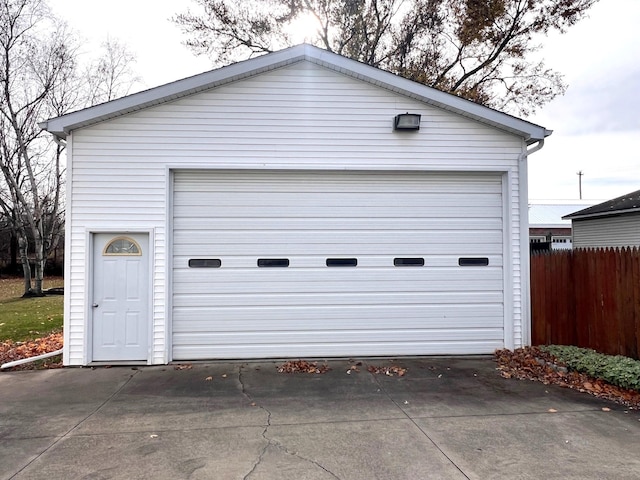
{"points": [[22, 361], [536, 147], [525, 280]]}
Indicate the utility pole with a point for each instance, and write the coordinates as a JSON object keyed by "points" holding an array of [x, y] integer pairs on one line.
{"points": [[580, 174]]}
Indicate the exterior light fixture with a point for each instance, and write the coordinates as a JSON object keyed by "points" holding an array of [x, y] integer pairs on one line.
{"points": [[407, 121]]}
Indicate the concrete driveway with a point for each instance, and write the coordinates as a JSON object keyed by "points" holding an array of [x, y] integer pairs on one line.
{"points": [[447, 418]]}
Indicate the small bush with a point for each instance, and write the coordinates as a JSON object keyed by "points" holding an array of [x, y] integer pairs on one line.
{"points": [[616, 370]]}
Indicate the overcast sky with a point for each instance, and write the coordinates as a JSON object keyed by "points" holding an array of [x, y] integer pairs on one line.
{"points": [[596, 123]]}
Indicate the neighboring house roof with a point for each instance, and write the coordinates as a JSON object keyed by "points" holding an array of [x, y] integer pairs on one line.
{"points": [[63, 125], [629, 203], [550, 215]]}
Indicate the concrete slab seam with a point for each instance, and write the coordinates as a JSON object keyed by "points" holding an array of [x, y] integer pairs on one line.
{"points": [[270, 441], [509, 414], [80, 422], [384, 390]]}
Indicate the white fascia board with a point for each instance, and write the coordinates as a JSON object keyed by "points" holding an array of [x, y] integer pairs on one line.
{"points": [[61, 126]]}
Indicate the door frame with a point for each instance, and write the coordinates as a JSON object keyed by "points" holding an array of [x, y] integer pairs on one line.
{"points": [[88, 296]]}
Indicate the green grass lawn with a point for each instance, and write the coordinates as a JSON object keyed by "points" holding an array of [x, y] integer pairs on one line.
{"points": [[28, 318]]}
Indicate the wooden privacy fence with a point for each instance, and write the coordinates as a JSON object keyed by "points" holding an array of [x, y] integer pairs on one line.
{"points": [[588, 298]]}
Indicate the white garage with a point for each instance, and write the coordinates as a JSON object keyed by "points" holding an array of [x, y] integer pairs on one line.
{"points": [[278, 208]]}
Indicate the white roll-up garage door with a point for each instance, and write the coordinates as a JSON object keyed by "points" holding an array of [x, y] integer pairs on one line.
{"points": [[315, 264]]}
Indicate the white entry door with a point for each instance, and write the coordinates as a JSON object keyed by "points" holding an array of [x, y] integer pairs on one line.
{"points": [[120, 297]]}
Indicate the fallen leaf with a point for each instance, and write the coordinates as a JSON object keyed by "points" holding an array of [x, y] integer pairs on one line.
{"points": [[187, 366], [606, 409], [302, 366], [532, 363], [153, 435], [224, 375], [389, 371], [552, 410], [208, 379], [10, 351]]}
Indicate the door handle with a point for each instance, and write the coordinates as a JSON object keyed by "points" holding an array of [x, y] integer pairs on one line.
{"points": [[95, 305]]}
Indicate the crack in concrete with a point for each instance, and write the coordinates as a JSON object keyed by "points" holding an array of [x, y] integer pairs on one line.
{"points": [[266, 428], [384, 390], [279, 446], [271, 442]]}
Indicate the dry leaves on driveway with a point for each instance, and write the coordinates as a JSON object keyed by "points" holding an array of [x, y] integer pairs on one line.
{"points": [[302, 366], [391, 371], [531, 363]]}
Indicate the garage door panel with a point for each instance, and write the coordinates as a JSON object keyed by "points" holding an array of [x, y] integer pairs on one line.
{"points": [[279, 318], [473, 300], [354, 238], [464, 346], [181, 262], [374, 308], [290, 250], [205, 223], [200, 181], [258, 287], [344, 336], [367, 211], [283, 201], [484, 277]]}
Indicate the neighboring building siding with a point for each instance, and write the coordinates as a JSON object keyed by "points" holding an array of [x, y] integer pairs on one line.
{"points": [[299, 117], [614, 231]]}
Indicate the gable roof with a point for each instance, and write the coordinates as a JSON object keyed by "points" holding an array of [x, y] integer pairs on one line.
{"points": [[61, 126], [629, 203]]}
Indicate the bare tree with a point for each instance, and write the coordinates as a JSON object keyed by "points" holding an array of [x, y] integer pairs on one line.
{"points": [[482, 50], [34, 54], [111, 75], [39, 79]]}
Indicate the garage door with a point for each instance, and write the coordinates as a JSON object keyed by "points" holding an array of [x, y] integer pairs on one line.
{"points": [[314, 264]]}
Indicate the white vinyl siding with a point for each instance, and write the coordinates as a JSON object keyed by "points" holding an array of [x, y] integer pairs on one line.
{"points": [[302, 117], [612, 231]]}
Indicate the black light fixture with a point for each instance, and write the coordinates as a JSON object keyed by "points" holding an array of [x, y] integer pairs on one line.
{"points": [[407, 121]]}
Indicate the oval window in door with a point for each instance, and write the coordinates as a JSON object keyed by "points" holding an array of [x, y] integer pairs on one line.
{"points": [[122, 246]]}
